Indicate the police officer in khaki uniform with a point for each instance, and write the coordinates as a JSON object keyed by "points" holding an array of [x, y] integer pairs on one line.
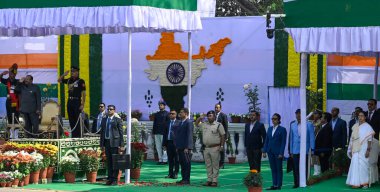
{"points": [[213, 139]]}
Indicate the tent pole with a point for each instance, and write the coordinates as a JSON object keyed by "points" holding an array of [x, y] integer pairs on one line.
{"points": [[129, 102], [189, 72], [376, 76], [302, 160]]}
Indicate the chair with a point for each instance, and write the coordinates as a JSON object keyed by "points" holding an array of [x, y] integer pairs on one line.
{"points": [[50, 117]]}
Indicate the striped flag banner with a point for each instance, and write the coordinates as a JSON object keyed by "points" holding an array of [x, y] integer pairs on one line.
{"points": [[350, 81]]}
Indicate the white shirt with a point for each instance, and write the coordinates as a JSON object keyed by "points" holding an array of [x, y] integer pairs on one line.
{"points": [[274, 130], [251, 126], [99, 120]]}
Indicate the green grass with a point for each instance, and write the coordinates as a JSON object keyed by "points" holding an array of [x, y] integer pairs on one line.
{"points": [[230, 179]]}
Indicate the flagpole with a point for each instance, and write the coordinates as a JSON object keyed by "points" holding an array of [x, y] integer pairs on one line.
{"points": [[190, 49], [376, 76], [302, 160], [129, 103]]}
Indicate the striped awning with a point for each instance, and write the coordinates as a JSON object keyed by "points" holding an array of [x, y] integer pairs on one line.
{"points": [[58, 17]]}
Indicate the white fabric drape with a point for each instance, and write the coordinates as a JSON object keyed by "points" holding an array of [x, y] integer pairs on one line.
{"points": [[284, 101], [363, 41], [95, 20]]}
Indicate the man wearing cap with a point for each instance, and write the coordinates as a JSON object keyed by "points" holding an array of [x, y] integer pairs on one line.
{"points": [[213, 138], [76, 99], [12, 103], [295, 145], [160, 120]]}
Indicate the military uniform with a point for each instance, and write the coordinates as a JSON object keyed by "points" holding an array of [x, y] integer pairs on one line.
{"points": [[12, 103], [212, 134], [76, 86]]}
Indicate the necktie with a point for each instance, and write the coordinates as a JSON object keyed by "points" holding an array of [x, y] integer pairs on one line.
{"points": [[108, 128], [370, 115], [170, 130]]}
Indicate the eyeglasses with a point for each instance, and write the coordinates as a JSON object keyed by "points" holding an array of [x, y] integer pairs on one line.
{"points": [[111, 109], [101, 106]]}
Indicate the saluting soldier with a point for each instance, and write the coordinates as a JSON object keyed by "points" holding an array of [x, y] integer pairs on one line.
{"points": [[12, 103], [213, 138], [76, 99]]}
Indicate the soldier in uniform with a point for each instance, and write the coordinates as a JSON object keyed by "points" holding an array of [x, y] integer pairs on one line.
{"points": [[12, 104], [213, 138], [76, 99]]}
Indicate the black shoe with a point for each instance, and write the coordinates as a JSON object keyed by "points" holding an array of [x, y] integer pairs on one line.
{"points": [[169, 177], [295, 186], [108, 182], [114, 183], [272, 188], [207, 184], [164, 163]]}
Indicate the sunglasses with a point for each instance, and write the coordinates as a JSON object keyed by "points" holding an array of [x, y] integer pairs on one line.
{"points": [[111, 109], [274, 118], [172, 113]]}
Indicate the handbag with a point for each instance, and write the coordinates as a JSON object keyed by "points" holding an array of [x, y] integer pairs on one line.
{"points": [[121, 161]]}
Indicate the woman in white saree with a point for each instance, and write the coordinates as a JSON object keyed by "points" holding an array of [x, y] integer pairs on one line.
{"points": [[359, 151]]}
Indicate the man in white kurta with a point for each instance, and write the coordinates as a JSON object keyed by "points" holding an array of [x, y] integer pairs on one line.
{"points": [[359, 151]]}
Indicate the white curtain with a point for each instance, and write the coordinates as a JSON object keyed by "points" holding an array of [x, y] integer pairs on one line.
{"points": [[284, 101]]}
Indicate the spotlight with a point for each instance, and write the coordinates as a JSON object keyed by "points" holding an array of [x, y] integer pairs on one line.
{"points": [[270, 33]]}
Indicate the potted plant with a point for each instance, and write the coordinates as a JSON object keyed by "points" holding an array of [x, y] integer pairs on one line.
{"points": [[3, 179], [123, 115], [53, 151], [24, 165], [252, 95], [137, 158], [253, 181], [35, 167], [17, 176], [235, 118], [69, 165], [89, 163], [340, 161], [230, 151]]}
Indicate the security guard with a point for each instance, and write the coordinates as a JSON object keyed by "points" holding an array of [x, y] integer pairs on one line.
{"points": [[213, 139], [76, 99]]}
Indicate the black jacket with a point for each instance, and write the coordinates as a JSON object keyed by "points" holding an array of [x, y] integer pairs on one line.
{"points": [[29, 97], [339, 133], [323, 140], [159, 123], [223, 119], [375, 122], [116, 137], [175, 126], [256, 138]]}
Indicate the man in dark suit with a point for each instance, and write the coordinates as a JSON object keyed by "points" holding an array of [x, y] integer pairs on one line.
{"points": [[168, 144], [111, 139], [339, 127], [96, 123], [254, 141], [373, 118], [323, 142], [274, 146], [159, 124], [222, 118], [353, 121], [30, 105], [184, 145]]}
